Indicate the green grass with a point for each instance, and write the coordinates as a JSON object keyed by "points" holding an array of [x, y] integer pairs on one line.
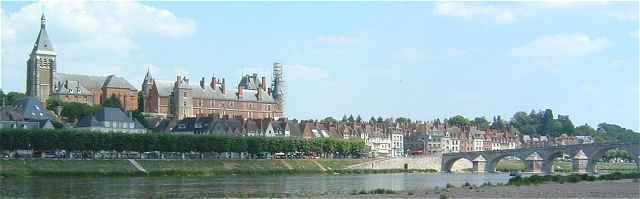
{"points": [[566, 166], [574, 178], [67, 168], [98, 168]]}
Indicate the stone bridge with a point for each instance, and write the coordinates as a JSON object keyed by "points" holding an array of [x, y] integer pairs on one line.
{"points": [[540, 159]]}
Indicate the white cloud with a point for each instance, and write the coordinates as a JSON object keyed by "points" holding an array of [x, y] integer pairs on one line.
{"points": [[473, 11], [562, 45], [91, 37]]}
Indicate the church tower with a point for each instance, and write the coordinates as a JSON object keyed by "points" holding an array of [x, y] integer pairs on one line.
{"points": [[41, 66]]}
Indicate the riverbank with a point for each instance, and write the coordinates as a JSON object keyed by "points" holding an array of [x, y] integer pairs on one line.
{"points": [[116, 168], [598, 189], [615, 185]]}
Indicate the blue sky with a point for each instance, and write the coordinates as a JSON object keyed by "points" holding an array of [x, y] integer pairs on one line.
{"points": [[415, 59]]}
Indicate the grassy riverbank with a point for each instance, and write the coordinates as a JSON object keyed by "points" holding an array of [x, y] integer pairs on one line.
{"points": [[109, 168]]}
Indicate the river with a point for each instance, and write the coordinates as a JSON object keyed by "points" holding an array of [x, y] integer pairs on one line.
{"points": [[230, 186]]}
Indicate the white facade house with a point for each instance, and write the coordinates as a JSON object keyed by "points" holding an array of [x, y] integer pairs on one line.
{"points": [[478, 144], [397, 144], [379, 146]]}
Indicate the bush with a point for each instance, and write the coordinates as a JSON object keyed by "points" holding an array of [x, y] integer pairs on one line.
{"points": [[450, 186], [80, 140], [535, 179]]}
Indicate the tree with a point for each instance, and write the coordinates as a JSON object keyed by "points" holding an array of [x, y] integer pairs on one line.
{"points": [[403, 120], [344, 118], [585, 130], [358, 119], [350, 119], [140, 101], [380, 120], [546, 127], [372, 120], [498, 123], [481, 122], [74, 110], [520, 119], [137, 115], [329, 120], [459, 120], [10, 98], [566, 126], [112, 101]]}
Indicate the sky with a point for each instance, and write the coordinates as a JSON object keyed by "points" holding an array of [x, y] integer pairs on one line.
{"points": [[422, 60]]}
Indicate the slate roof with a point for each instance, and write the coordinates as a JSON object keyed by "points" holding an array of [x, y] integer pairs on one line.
{"points": [[32, 109], [89, 82], [166, 87], [42, 42], [250, 82], [107, 114]]}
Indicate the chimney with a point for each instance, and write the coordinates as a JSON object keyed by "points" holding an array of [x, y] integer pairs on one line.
{"points": [[213, 83], [224, 87], [202, 83], [186, 80], [259, 94], [263, 85], [240, 92]]}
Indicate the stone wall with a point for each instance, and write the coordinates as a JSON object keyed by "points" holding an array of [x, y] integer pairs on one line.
{"points": [[423, 162]]}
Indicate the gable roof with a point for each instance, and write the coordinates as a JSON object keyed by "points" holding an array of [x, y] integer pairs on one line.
{"points": [[112, 114]]}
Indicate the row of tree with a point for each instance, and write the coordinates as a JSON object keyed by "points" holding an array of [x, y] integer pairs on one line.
{"points": [[10, 98], [14, 139]]}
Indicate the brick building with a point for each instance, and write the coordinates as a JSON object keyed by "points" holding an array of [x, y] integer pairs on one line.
{"points": [[44, 82], [251, 98]]}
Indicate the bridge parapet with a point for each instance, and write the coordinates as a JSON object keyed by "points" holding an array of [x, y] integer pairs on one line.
{"points": [[593, 152]]}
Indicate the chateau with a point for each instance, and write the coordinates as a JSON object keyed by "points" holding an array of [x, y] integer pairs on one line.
{"points": [[252, 98], [178, 99], [44, 82]]}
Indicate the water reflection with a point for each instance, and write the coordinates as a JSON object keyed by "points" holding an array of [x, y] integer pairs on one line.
{"points": [[229, 186]]}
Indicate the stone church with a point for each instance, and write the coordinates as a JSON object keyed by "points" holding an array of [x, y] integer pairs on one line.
{"points": [[44, 82]]}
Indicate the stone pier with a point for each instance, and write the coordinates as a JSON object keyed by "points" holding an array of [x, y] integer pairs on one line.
{"points": [[580, 161], [534, 163], [479, 164]]}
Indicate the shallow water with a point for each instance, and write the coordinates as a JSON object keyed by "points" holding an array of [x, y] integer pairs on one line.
{"points": [[229, 186]]}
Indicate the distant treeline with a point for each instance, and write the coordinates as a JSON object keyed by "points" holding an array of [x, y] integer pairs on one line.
{"points": [[73, 140]]}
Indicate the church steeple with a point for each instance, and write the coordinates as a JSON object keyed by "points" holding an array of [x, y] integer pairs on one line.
{"points": [[41, 65], [43, 44]]}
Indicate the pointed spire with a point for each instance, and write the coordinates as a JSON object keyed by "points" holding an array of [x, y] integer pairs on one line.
{"points": [[43, 21], [43, 45]]}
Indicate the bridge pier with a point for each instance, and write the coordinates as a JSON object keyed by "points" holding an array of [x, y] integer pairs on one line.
{"points": [[534, 163], [479, 164], [580, 162]]}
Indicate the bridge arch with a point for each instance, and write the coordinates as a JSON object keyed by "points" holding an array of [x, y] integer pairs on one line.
{"points": [[448, 164], [550, 156], [492, 164], [600, 153]]}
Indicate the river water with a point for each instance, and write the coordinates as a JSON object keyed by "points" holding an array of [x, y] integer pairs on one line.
{"points": [[230, 186]]}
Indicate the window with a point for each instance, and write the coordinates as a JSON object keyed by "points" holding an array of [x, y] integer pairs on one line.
{"points": [[132, 125], [269, 107], [107, 124], [185, 94]]}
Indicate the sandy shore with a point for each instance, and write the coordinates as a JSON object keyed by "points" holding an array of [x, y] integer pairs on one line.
{"points": [[598, 189]]}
